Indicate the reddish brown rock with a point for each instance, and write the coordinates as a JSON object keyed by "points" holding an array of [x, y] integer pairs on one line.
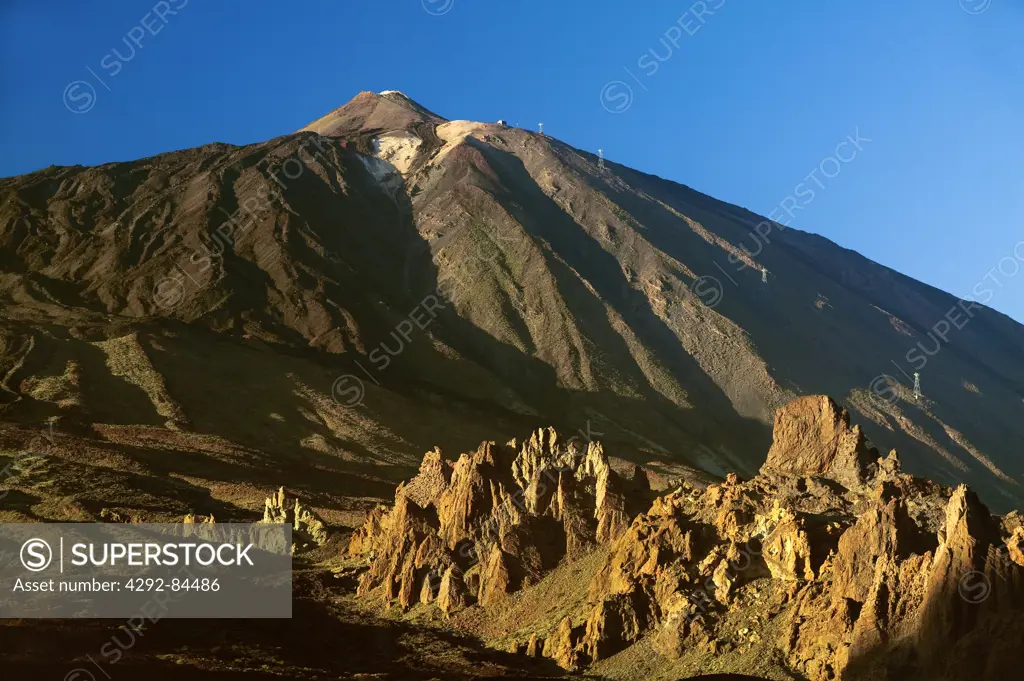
{"points": [[476, 495], [652, 543], [503, 515], [451, 594], [570, 506], [496, 578], [615, 623], [958, 582], [362, 540], [880, 534], [406, 548], [787, 549], [880, 576], [812, 436], [432, 480], [306, 524], [1015, 546], [428, 592], [723, 578], [563, 646], [682, 628]]}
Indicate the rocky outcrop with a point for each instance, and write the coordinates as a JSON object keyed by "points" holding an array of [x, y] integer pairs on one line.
{"points": [[863, 572], [564, 645], [786, 549], [613, 625], [1015, 546], [452, 592], [434, 476], [494, 521], [496, 578], [406, 551], [306, 524], [813, 437], [917, 572]]}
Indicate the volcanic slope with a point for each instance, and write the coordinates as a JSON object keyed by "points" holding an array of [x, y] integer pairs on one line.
{"points": [[590, 271], [187, 318]]}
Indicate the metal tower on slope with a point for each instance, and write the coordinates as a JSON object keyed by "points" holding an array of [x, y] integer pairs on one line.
{"points": [[541, 128], [600, 160], [764, 274], [917, 386]]}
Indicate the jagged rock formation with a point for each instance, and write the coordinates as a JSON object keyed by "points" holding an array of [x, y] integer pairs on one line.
{"points": [[812, 436], [868, 573], [873, 561], [494, 521], [305, 523]]}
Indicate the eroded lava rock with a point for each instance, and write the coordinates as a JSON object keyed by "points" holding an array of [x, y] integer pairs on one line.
{"points": [[869, 573], [494, 521]]}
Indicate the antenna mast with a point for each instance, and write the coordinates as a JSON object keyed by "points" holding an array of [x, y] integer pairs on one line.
{"points": [[600, 160]]}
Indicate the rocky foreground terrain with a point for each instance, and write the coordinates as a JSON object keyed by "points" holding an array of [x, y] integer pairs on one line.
{"points": [[830, 563]]}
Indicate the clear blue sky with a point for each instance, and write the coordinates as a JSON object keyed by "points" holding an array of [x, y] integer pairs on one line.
{"points": [[743, 109]]}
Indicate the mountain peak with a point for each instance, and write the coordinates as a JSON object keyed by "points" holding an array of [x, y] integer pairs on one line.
{"points": [[402, 99], [372, 112]]}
